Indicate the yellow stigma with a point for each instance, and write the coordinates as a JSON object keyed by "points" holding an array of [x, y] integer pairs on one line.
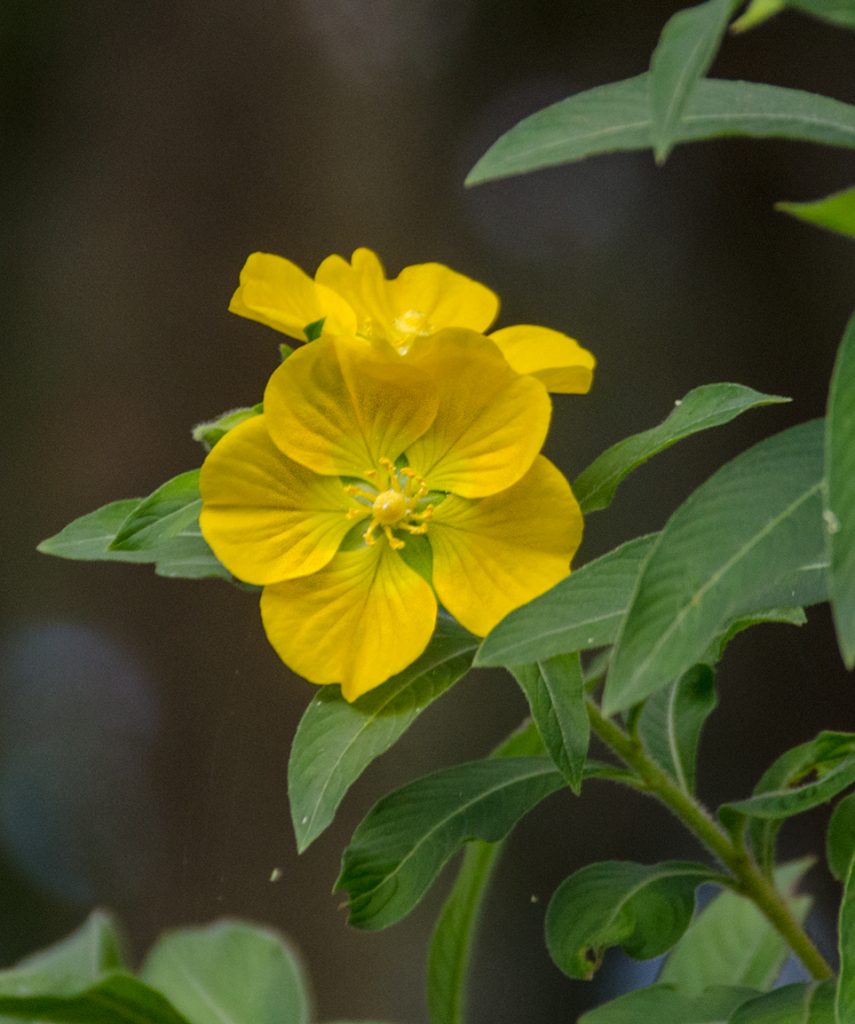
{"points": [[395, 508]]}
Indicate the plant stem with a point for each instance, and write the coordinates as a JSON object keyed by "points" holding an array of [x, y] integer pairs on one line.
{"points": [[747, 877]]}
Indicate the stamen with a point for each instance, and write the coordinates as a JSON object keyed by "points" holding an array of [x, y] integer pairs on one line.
{"points": [[413, 529], [353, 513], [368, 536], [359, 492], [394, 542]]}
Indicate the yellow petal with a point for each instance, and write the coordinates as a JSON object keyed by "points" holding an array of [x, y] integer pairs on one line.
{"points": [[423, 299], [340, 404], [361, 619], [276, 292], [266, 517], [490, 424], [555, 358], [493, 555]]}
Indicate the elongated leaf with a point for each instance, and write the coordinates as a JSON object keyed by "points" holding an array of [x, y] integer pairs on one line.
{"points": [[406, 838], [710, 405], [642, 908], [163, 514], [617, 117], [336, 741], [802, 778], [839, 512], [229, 973], [451, 943], [805, 1003], [757, 12], [671, 721], [835, 212], [838, 12], [85, 956], [844, 1004], [684, 53], [663, 1004], [116, 999], [737, 544], [840, 839], [779, 616], [583, 611], [88, 539], [555, 691], [732, 943]]}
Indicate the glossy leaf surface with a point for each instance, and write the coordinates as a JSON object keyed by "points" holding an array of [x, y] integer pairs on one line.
{"points": [[740, 542], [710, 405], [642, 908], [336, 741], [583, 611], [617, 117]]}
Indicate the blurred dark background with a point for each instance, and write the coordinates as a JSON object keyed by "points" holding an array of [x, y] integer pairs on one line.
{"points": [[147, 149]]}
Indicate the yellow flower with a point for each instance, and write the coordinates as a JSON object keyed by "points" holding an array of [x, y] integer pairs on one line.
{"points": [[358, 298], [373, 487]]}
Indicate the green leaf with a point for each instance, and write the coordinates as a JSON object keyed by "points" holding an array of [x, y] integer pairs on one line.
{"points": [[802, 778], [582, 611], [642, 908], [211, 431], [406, 838], [840, 839], [804, 1003], [839, 513], [165, 513], [835, 212], [710, 405], [779, 616], [671, 721], [336, 741], [229, 973], [665, 1005], [88, 539], [451, 943], [555, 691], [686, 49], [757, 12], [616, 117], [738, 543], [838, 12], [844, 1004], [732, 943], [85, 956], [116, 999]]}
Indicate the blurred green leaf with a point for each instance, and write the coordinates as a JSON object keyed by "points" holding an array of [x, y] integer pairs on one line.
{"points": [[406, 838], [85, 956], [229, 973], [451, 943], [642, 908], [710, 405], [804, 1003], [555, 691], [116, 999], [835, 212], [165, 513], [671, 721], [336, 741], [840, 839], [804, 777], [756, 13], [838, 12], [839, 513], [88, 539], [686, 49], [211, 431], [664, 1005], [617, 117], [731, 942], [738, 543], [844, 1004], [583, 611]]}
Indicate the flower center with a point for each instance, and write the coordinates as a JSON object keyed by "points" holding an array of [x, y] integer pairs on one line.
{"points": [[396, 507]]}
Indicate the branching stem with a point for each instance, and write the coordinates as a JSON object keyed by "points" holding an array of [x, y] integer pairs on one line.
{"points": [[745, 875]]}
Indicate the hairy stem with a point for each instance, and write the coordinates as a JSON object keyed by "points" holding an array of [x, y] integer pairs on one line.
{"points": [[746, 876]]}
